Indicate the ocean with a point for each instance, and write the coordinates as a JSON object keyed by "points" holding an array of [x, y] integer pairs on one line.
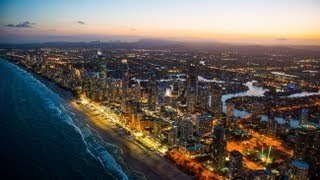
{"points": [[39, 139]]}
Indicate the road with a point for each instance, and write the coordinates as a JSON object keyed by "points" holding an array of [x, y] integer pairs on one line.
{"points": [[135, 155]]}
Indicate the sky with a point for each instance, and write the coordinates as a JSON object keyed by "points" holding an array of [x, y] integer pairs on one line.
{"points": [[228, 21]]}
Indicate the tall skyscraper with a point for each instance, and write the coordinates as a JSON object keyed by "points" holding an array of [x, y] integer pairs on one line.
{"points": [[137, 91], [173, 134], [235, 165], [303, 142], [103, 81], [152, 92], [265, 174], [203, 99], [124, 92], [219, 145], [204, 124], [125, 85], [161, 94], [157, 127], [272, 125], [216, 103], [299, 170], [192, 79], [133, 111], [192, 85], [230, 121], [186, 130], [303, 116]]}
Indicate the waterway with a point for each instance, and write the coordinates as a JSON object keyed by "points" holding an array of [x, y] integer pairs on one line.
{"points": [[258, 91]]}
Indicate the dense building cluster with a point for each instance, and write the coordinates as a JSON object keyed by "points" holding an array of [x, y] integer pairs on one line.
{"points": [[173, 99]]}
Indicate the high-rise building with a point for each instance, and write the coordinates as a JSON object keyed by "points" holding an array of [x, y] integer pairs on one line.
{"points": [[303, 116], [235, 165], [203, 99], [124, 87], [192, 85], [133, 111], [137, 123], [219, 145], [216, 103], [272, 125], [157, 127], [103, 81], [230, 121], [191, 102], [186, 130], [192, 79], [161, 94], [265, 174], [204, 124], [172, 134], [299, 170], [152, 92], [137, 92], [303, 141], [124, 92]]}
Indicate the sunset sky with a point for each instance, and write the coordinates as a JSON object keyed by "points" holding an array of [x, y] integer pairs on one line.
{"points": [[231, 21]]}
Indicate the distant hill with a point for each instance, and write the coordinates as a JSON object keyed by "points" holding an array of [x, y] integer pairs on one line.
{"points": [[149, 43]]}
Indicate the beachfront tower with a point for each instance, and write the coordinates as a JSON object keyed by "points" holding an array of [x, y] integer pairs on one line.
{"points": [[124, 87]]}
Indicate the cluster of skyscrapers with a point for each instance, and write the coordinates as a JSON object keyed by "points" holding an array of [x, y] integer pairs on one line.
{"points": [[182, 113]]}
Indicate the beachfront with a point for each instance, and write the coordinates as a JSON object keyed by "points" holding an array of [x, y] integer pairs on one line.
{"points": [[135, 155]]}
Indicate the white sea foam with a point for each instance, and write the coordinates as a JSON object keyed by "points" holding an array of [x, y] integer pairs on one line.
{"points": [[53, 102]]}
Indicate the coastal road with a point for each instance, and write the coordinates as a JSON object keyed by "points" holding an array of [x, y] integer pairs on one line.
{"points": [[135, 155]]}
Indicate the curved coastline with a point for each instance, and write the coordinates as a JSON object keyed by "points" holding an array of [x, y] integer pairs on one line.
{"points": [[130, 157]]}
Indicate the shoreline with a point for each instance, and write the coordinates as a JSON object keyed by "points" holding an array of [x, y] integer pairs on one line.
{"points": [[135, 156]]}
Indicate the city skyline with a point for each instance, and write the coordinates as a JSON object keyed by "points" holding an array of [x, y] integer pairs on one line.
{"points": [[245, 22], [167, 89]]}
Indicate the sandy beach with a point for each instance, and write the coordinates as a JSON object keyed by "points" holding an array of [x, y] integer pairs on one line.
{"points": [[135, 156]]}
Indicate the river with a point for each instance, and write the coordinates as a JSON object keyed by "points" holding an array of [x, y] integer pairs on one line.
{"points": [[258, 91]]}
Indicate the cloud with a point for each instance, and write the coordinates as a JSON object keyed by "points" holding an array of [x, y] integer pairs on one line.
{"points": [[133, 29], [80, 22], [25, 24], [282, 39]]}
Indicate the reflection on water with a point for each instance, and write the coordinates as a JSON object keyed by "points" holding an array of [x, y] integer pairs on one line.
{"points": [[252, 91], [259, 92], [304, 94]]}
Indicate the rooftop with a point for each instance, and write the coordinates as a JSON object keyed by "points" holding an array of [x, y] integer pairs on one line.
{"points": [[300, 164]]}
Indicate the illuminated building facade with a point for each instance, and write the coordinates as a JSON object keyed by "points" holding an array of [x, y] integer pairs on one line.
{"points": [[186, 130], [265, 174], [216, 103], [230, 121], [299, 170], [152, 92], [235, 165], [303, 142], [204, 124], [172, 135], [124, 87], [192, 85], [303, 116], [219, 145]]}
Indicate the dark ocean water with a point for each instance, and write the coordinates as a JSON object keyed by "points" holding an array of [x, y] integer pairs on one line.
{"points": [[38, 137]]}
